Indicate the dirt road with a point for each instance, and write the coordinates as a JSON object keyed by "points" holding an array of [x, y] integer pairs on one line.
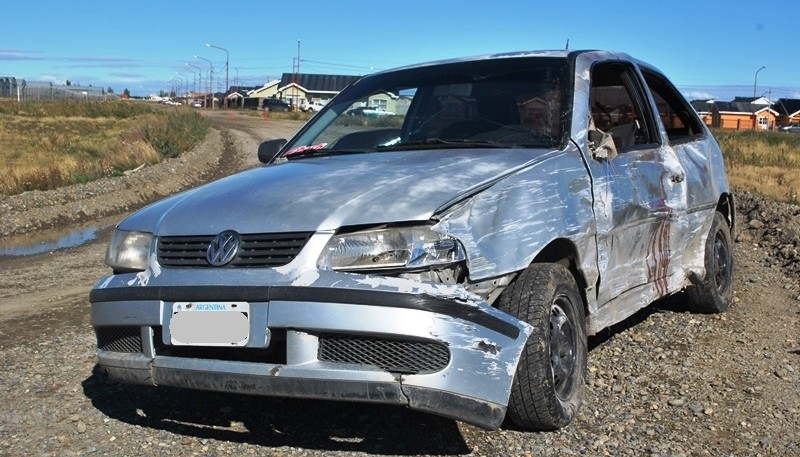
{"points": [[665, 382]]}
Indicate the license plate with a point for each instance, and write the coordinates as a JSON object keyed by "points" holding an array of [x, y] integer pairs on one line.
{"points": [[210, 324]]}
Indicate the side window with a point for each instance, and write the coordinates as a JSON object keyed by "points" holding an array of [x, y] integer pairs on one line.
{"points": [[679, 119], [616, 106]]}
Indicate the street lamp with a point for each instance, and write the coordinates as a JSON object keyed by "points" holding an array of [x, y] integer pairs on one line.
{"points": [[199, 75], [755, 80], [210, 78], [194, 81], [186, 88], [176, 86], [239, 103], [226, 68]]}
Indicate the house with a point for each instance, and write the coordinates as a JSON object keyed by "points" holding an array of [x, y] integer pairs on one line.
{"points": [[236, 96], [255, 97], [390, 102], [743, 113], [296, 88], [393, 103], [789, 109], [703, 108]]}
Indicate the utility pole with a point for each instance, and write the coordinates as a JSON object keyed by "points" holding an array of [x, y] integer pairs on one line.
{"points": [[296, 79], [227, 58], [199, 77], [210, 78]]}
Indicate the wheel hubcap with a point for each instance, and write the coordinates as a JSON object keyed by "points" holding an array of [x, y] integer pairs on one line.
{"points": [[722, 271], [562, 348]]}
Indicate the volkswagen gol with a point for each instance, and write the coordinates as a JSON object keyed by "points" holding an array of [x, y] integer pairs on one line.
{"points": [[451, 258]]}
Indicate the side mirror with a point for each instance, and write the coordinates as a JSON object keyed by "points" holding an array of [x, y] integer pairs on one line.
{"points": [[268, 149]]}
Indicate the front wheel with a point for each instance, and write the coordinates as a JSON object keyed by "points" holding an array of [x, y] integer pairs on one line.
{"points": [[549, 381], [714, 293]]}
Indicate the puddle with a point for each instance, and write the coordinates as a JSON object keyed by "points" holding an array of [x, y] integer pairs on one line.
{"points": [[53, 240]]}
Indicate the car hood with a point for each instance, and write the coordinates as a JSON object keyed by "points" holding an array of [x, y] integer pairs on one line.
{"points": [[325, 193]]}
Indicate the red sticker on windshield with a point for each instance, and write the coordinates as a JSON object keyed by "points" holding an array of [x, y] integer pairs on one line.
{"points": [[302, 149]]}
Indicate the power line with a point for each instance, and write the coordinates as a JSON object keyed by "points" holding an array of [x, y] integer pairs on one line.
{"points": [[339, 65]]}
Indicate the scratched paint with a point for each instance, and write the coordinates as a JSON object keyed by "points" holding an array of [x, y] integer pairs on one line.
{"points": [[635, 225], [143, 277]]}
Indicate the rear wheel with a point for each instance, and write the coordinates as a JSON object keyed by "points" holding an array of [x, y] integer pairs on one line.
{"points": [[548, 385], [714, 293]]}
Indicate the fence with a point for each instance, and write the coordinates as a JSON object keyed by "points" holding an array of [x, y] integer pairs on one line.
{"points": [[38, 91]]}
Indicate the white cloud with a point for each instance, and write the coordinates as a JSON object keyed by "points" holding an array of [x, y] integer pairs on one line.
{"points": [[698, 95], [57, 80]]}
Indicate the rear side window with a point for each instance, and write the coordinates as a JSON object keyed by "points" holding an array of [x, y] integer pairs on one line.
{"points": [[677, 116]]}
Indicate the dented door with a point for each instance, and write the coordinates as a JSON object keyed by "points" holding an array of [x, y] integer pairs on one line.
{"points": [[638, 184]]}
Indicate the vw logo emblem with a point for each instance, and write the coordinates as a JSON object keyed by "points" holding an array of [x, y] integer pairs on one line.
{"points": [[223, 248]]}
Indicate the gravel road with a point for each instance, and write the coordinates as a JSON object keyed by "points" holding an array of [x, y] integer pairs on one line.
{"points": [[664, 383]]}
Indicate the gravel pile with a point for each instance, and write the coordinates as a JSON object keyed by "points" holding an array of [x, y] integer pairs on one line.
{"points": [[666, 382], [776, 228]]}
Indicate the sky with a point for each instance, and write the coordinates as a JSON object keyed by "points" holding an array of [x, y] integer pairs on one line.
{"points": [[708, 48]]}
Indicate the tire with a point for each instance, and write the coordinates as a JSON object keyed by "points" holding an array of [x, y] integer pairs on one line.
{"points": [[548, 385], [714, 293]]}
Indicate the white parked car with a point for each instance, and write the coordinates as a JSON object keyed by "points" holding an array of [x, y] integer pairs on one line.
{"points": [[312, 106]]}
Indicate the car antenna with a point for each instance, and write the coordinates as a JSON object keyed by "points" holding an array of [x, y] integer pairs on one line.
{"points": [[567, 46]]}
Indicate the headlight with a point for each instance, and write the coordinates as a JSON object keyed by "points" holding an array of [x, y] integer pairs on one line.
{"points": [[390, 248], [128, 251]]}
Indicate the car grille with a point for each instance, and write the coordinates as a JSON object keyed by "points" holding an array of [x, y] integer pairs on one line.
{"points": [[389, 355], [119, 339], [259, 250]]}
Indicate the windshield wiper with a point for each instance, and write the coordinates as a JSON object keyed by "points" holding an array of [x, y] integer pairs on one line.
{"points": [[307, 153], [435, 143]]}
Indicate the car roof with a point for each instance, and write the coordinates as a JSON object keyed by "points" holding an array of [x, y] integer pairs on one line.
{"points": [[554, 53]]}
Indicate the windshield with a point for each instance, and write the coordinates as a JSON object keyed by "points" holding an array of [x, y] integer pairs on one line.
{"points": [[492, 103]]}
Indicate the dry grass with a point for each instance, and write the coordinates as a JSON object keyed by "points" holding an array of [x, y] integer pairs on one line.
{"points": [[49, 145], [765, 162]]}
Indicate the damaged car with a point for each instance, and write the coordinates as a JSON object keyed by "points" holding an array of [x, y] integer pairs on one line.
{"points": [[451, 258]]}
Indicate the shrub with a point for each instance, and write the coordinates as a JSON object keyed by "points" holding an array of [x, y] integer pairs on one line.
{"points": [[51, 144]]}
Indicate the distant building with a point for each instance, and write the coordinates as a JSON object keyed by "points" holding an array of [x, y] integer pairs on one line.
{"points": [[46, 90], [255, 97], [789, 109], [294, 89], [742, 113], [85, 90], [8, 86]]}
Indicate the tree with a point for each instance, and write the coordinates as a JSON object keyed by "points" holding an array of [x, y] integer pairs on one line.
{"points": [[126, 93], [69, 83], [110, 90]]}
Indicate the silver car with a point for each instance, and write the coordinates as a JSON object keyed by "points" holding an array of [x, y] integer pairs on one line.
{"points": [[451, 258]]}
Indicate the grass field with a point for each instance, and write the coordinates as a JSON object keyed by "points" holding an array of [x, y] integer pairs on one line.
{"points": [[51, 144], [765, 162]]}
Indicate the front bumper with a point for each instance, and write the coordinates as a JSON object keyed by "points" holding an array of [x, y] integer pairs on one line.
{"points": [[290, 326]]}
